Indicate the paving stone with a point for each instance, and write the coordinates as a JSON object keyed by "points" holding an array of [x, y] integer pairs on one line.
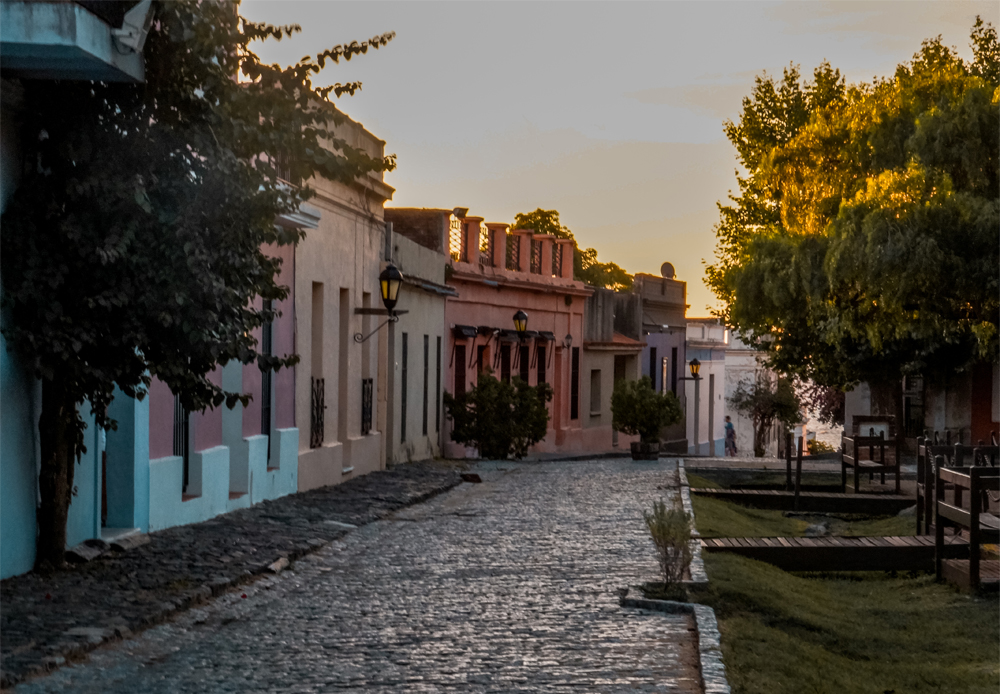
{"points": [[170, 568], [123, 544], [509, 585]]}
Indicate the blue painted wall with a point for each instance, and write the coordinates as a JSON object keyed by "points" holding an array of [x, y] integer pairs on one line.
{"points": [[128, 463], [84, 519]]}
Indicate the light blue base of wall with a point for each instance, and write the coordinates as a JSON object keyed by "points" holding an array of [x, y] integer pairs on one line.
{"points": [[210, 477], [84, 519]]}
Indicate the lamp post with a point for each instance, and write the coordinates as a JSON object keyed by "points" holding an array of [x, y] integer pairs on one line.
{"points": [[695, 368], [389, 281]]}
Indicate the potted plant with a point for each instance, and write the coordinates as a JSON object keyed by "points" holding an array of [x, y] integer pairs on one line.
{"points": [[638, 410]]}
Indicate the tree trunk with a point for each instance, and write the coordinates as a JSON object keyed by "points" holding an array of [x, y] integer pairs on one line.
{"points": [[55, 479]]}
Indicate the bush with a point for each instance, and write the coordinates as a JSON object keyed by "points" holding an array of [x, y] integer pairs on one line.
{"points": [[500, 419], [816, 447], [670, 529], [636, 409]]}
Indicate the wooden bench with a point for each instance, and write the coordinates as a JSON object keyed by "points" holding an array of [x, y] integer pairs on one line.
{"points": [[973, 516], [871, 454], [930, 457]]}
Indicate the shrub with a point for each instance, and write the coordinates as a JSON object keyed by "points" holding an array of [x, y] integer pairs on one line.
{"points": [[636, 409], [817, 447], [670, 529], [500, 419]]}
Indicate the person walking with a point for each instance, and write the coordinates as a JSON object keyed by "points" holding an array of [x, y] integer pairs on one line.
{"points": [[730, 438]]}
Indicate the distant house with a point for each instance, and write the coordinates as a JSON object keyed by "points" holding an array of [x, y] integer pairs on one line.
{"points": [[706, 342]]}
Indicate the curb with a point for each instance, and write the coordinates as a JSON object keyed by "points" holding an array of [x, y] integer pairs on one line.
{"points": [[699, 577], [713, 670], [74, 651]]}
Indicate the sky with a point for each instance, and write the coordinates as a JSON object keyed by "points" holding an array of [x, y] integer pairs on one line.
{"points": [[610, 112]]}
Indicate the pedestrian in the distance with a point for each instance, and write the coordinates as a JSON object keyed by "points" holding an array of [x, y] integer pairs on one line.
{"points": [[730, 438]]}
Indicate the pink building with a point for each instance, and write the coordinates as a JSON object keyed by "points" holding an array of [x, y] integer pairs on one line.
{"points": [[496, 272]]}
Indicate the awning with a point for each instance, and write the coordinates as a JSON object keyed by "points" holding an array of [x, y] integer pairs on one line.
{"points": [[546, 335], [463, 332]]}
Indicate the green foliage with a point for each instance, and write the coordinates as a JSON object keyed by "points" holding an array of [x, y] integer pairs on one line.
{"points": [[864, 632], [766, 401], [825, 402], [498, 418], [816, 447], [670, 530], [137, 241], [636, 409], [586, 267], [862, 244]]}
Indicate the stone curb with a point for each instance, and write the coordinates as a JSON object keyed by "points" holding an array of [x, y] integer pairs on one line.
{"points": [[699, 578], [64, 652], [713, 670]]}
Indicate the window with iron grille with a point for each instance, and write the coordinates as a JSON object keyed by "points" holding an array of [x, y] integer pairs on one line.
{"points": [[574, 385], [283, 168], [513, 252], [459, 369], [182, 438], [485, 245], [437, 388], [404, 377], [557, 259], [367, 385], [317, 412], [505, 363], [536, 257], [524, 362], [266, 376], [427, 370], [455, 245], [540, 356]]}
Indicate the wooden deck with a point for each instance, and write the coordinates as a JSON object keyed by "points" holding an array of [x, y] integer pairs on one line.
{"points": [[956, 571], [908, 553], [819, 502]]}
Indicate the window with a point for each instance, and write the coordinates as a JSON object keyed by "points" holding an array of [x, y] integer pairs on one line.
{"points": [[673, 370], [595, 393], [524, 362], [652, 366], [437, 388], [427, 359], [540, 355], [266, 348], [459, 369], [574, 385], [505, 363], [404, 377], [482, 359]]}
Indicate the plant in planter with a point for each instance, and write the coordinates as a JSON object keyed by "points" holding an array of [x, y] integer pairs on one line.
{"points": [[638, 410], [670, 529]]}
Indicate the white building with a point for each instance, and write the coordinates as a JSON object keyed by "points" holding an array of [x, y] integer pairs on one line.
{"points": [[706, 342]]}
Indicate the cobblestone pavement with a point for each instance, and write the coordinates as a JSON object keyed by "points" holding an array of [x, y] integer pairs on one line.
{"points": [[48, 619], [500, 586]]}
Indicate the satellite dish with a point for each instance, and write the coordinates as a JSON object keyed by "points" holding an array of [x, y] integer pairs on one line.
{"points": [[667, 270]]}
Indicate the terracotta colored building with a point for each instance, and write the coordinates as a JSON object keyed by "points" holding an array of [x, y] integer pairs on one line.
{"points": [[497, 271]]}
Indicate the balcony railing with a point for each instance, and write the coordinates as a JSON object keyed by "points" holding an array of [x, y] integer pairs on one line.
{"points": [[485, 246], [536, 257], [557, 259], [455, 245], [367, 386], [317, 413], [513, 252]]}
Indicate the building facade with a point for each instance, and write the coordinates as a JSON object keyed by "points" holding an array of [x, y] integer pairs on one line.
{"points": [[706, 342]]}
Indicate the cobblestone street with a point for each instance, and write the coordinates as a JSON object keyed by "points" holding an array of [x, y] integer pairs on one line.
{"points": [[505, 585]]}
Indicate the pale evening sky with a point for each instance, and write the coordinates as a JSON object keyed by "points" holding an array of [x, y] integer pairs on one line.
{"points": [[609, 112]]}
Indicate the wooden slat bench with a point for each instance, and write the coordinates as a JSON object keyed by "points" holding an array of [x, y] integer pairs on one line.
{"points": [[974, 515], [870, 454]]}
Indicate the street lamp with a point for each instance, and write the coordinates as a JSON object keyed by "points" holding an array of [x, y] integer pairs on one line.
{"points": [[568, 341], [389, 281], [520, 323], [695, 368]]}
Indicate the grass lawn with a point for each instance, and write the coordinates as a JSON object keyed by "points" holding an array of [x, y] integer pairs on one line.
{"points": [[838, 633], [717, 518]]}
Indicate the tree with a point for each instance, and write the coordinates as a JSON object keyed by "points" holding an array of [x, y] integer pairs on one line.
{"points": [[134, 245], [586, 267], [499, 418], [862, 245], [826, 402], [766, 401], [638, 410]]}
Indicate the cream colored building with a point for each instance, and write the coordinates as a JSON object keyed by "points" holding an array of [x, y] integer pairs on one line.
{"points": [[706, 342], [336, 280]]}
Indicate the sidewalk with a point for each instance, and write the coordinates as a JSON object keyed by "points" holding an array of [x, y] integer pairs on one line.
{"points": [[47, 620]]}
